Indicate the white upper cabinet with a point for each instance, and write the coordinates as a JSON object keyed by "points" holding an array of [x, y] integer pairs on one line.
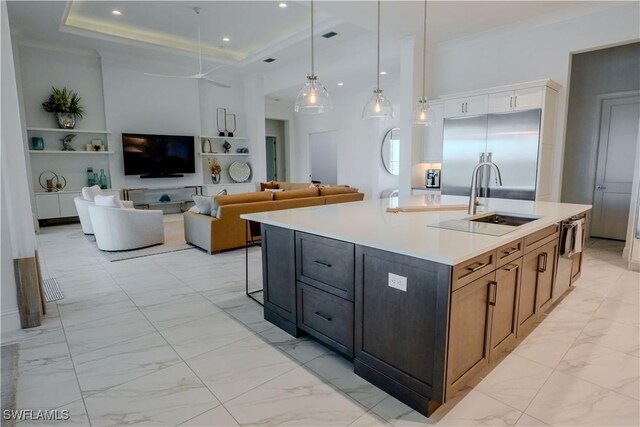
{"points": [[516, 100], [468, 106]]}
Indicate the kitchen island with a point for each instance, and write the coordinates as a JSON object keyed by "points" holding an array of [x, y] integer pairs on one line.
{"points": [[419, 308]]}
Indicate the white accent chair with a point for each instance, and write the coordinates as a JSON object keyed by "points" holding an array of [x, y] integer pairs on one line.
{"points": [[82, 205], [118, 229]]}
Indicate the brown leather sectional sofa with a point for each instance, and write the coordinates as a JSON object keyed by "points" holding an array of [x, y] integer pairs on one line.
{"points": [[226, 230]]}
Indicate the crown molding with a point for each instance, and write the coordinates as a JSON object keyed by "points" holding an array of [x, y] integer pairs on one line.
{"points": [[562, 15]]}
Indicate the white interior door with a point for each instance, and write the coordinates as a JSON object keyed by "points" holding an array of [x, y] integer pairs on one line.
{"points": [[323, 157], [614, 171]]}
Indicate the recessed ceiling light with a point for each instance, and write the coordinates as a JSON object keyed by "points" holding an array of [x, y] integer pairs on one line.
{"points": [[226, 39], [340, 84], [116, 12], [383, 73], [282, 5]]}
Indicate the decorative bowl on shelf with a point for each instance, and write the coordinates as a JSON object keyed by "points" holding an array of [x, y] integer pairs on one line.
{"points": [[239, 171]]}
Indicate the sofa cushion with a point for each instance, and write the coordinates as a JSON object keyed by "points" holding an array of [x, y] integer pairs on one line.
{"points": [[203, 204], [89, 193], [269, 186], [108, 201], [330, 191], [297, 194], [259, 196]]}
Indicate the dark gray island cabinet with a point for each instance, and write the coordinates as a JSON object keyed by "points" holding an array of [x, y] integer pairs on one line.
{"points": [[417, 329]]}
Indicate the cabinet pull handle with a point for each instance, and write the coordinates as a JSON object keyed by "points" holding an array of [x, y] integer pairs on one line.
{"points": [[324, 264], [317, 313], [510, 267], [515, 101], [511, 102], [477, 267], [510, 251], [544, 264], [466, 107], [462, 107], [493, 292]]}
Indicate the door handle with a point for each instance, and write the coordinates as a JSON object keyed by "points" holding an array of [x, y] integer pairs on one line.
{"points": [[544, 265], [510, 251], [600, 187], [510, 267], [493, 292], [477, 267], [324, 264], [323, 317]]}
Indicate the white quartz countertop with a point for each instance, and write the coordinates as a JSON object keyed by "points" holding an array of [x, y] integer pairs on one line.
{"points": [[367, 223]]}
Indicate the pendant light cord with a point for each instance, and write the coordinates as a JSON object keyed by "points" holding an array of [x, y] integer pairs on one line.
{"points": [[312, 47], [424, 51], [378, 59], [197, 11]]}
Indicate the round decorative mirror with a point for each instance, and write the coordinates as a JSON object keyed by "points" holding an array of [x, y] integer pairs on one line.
{"points": [[390, 151]]}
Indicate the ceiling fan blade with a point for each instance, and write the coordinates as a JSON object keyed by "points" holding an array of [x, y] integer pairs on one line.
{"points": [[206, 73], [194, 76], [217, 83]]}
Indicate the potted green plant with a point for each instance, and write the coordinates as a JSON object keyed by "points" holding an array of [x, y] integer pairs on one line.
{"points": [[66, 105]]}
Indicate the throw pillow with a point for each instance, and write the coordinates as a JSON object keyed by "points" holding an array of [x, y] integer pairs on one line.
{"points": [[203, 203], [108, 201], [269, 186], [89, 193], [214, 202]]}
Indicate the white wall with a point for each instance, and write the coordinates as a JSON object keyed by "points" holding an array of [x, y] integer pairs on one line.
{"points": [[323, 157], [358, 140], [526, 52], [16, 226], [119, 97]]}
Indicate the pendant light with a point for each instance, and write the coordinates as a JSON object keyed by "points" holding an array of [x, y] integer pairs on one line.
{"points": [[378, 106], [423, 114], [313, 98]]}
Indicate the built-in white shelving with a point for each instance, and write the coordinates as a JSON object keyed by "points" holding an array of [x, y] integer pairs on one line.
{"points": [[229, 138], [95, 132], [68, 152], [223, 154]]}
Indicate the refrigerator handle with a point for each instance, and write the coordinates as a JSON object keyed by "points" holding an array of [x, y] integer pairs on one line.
{"points": [[480, 189]]}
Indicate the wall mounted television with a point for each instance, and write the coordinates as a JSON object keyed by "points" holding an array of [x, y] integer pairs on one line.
{"points": [[158, 156]]}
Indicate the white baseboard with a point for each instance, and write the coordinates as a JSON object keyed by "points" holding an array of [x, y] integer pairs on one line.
{"points": [[10, 321], [634, 265]]}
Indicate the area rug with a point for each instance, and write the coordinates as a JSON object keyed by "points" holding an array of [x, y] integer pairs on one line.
{"points": [[9, 366], [173, 241]]}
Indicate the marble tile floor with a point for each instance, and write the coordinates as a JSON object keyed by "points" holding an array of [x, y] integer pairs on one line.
{"points": [[171, 339]]}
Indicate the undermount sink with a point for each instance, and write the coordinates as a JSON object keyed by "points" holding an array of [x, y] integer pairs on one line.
{"points": [[501, 218], [492, 223]]}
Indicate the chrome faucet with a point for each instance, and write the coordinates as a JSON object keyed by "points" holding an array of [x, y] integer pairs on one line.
{"points": [[473, 199]]}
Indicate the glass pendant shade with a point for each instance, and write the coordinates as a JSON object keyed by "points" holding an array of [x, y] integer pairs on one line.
{"points": [[313, 98], [378, 107], [423, 114]]}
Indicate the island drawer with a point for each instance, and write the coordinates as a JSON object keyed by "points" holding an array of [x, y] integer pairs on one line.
{"points": [[326, 317], [467, 271], [539, 238], [509, 252], [327, 264]]}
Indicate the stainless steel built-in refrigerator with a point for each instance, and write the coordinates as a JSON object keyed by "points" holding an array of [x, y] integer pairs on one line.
{"points": [[510, 140]]}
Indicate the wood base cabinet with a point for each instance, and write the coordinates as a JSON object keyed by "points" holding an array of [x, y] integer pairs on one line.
{"points": [[279, 277], [538, 278]]}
